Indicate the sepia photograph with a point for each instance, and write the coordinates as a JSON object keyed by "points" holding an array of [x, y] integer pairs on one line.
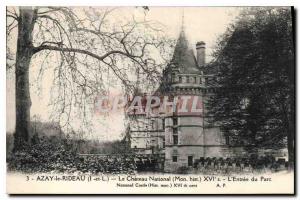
{"points": [[150, 100]]}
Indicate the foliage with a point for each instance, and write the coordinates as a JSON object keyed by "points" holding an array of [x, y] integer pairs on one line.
{"points": [[183, 170], [100, 147], [42, 156], [46, 155], [254, 61]]}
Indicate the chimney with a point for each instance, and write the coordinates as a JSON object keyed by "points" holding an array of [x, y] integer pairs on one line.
{"points": [[200, 47]]}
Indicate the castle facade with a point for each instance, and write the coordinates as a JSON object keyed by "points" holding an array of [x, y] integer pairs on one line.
{"points": [[180, 138]]}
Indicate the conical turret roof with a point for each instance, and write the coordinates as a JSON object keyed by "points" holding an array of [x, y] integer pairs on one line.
{"points": [[183, 57]]}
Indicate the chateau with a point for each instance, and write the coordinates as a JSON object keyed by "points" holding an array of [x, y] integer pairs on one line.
{"points": [[180, 138]]}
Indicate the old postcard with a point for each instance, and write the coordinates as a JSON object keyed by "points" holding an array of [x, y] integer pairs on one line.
{"points": [[150, 100]]}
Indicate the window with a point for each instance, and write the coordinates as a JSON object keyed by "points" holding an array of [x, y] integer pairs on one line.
{"points": [[180, 79], [152, 124], [174, 158], [175, 121], [190, 160], [187, 79], [175, 139], [164, 143], [175, 136], [195, 80], [227, 139], [175, 131], [173, 77], [163, 124]]}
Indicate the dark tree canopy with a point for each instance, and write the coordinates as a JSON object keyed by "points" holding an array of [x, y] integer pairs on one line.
{"points": [[254, 61]]}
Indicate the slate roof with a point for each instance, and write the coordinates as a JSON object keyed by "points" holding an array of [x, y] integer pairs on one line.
{"points": [[183, 57]]}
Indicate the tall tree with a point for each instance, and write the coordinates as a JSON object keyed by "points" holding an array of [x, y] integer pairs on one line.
{"points": [[84, 45], [254, 61]]}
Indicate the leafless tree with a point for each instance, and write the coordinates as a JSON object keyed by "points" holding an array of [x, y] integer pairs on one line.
{"points": [[81, 45]]}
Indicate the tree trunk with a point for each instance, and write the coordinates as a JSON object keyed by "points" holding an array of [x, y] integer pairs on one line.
{"points": [[24, 54]]}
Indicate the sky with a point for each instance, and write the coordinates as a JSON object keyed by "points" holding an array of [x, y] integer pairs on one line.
{"points": [[200, 24]]}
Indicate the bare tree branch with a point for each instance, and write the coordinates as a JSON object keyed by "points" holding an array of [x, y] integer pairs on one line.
{"points": [[14, 17], [101, 58], [90, 51]]}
